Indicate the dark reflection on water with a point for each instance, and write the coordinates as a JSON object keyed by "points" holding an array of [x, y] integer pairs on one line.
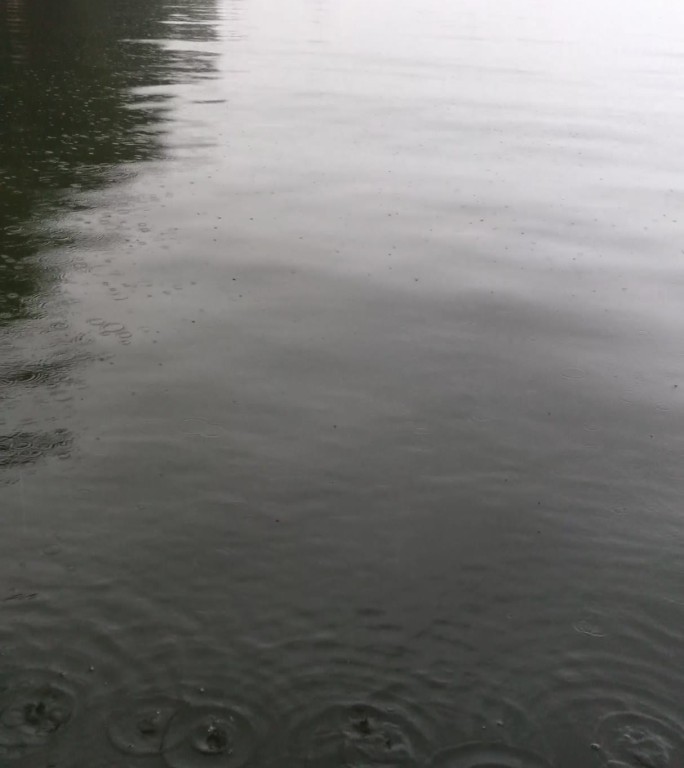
{"points": [[73, 119], [340, 384]]}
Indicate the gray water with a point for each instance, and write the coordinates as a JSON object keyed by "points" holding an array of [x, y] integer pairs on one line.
{"points": [[341, 384]]}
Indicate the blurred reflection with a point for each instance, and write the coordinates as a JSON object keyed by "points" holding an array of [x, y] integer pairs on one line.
{"points": [[75, 110], [235, 21], [16, 27], [320, 20]]}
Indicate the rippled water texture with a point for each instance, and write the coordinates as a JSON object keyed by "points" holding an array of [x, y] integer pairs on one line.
{"points": [[341, 379]]}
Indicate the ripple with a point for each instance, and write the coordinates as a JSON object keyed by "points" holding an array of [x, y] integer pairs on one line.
{"points": [[176, 699], [34, 709], [481, 755], [25, 376], [111, 328], [640, 722], [638, 739], [42, 372], [138, 728], [354, 703], [206, 735], [494, 716], [20, 448], [358, 734], [574, 373], [200, 427], [585, 627]]}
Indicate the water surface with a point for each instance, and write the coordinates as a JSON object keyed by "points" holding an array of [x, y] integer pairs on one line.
{"points": [[341, 383]]}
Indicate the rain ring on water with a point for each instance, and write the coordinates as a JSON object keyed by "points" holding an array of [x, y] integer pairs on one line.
{"points": [[34, 709], [635, 738], [139, 727], [483, 755], [209, 735]]}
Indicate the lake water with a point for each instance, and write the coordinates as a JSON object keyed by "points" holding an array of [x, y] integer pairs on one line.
{"points": [[341, 384]]}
